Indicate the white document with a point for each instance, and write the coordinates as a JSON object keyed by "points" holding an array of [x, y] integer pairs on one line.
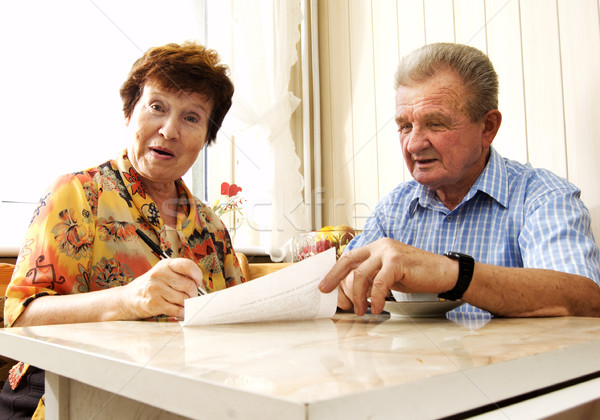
{"points": [[291, 293]]}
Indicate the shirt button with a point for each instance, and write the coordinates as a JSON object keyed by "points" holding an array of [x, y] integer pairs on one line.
{"points": [[450, 218]]}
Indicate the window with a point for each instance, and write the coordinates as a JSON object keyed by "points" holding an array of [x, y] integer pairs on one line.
{"points": [[64, 62]]}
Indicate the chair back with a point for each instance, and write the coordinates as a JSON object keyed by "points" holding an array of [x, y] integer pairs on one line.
{"points": [[6, 271], [262, 269], [6, 364], [251, 271]]}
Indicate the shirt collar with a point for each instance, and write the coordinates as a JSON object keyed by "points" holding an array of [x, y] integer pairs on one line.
{"points": [[138, 194], [492, 181]]}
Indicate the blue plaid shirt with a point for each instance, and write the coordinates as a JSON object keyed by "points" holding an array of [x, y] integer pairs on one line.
{"points": [[513, 216]]}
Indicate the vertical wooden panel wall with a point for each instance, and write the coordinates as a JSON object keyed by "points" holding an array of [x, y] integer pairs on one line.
{"points": [[547, 55]]}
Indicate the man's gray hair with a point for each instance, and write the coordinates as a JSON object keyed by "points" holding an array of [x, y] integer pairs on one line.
{"points": [[472, 66]]}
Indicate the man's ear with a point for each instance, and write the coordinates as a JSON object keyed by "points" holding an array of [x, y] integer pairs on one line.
{"points": [[491, 124]]}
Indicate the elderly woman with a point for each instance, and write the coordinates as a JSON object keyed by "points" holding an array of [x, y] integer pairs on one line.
{"points": [[83, 260]]}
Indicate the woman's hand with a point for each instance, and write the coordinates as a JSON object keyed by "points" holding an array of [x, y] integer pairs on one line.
{"points": [[161, 290]]}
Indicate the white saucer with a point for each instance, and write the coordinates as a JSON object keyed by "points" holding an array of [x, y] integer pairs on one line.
{"points": [[421, 309]]}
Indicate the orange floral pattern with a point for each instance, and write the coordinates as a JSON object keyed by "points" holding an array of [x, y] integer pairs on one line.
{"points": [[82, 237], [136, 183]]}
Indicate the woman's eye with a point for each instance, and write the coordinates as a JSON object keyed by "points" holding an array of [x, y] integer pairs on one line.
{"points": [[156, 107], [192, 119]]}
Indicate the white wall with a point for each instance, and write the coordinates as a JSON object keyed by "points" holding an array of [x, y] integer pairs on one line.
{"points": [[547, 55]]}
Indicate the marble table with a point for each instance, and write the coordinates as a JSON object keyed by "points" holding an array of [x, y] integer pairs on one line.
{"points": [[347, 367]]}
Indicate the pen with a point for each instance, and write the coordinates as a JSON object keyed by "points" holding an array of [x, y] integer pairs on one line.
{"points": [[153, 246], [158, 251]]}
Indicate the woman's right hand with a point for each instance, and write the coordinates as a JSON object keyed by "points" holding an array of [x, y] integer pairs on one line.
{"points": [[161, 290]]}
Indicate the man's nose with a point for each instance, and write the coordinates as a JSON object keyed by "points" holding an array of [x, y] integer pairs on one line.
{"points": [[416, 141]]}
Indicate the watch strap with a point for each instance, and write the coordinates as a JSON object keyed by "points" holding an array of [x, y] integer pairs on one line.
{"points": [[466, 265]]}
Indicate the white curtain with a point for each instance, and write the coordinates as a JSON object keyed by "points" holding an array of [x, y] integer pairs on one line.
{"points": [[264, 38]]}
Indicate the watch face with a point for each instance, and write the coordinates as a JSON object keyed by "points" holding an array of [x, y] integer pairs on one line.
{"points": [[457, 255]]}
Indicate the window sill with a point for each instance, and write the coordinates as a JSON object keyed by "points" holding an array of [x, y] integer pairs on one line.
{"points": [[9, 251], [15, 217]]}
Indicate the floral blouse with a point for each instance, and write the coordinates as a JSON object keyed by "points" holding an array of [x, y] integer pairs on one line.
{"points": [[82, 237]]}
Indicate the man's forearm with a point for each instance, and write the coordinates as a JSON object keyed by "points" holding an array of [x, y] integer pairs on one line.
{"points": [[528, 292]]}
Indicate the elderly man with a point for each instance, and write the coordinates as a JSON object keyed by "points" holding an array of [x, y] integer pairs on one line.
{"points": [[499, 235]]}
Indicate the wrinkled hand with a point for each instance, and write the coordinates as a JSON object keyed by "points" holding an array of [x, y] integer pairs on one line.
{"points": [[384, 265], [162, 290]]}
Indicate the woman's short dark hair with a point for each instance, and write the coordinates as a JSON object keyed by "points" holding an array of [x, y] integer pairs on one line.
{"points": [[189, 67], [473, 66]]}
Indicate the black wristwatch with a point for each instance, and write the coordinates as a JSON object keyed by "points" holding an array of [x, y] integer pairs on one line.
{"points": [[466, 264]]}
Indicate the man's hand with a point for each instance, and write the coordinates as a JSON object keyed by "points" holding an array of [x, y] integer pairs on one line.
{"points": [[375, 269]]}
